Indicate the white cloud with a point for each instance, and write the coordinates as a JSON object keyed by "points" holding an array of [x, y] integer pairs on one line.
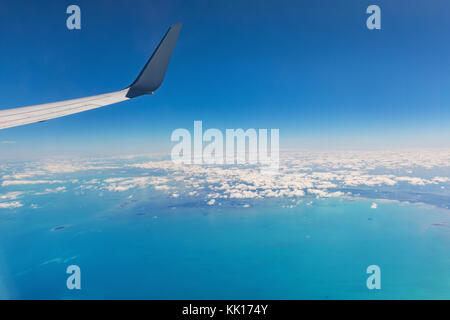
{"points": [[441, 179], [22, 182], [414, 180], [163, 187], [127, 183], [10, 205], [301, 174], [49, 190], [11, 195]]}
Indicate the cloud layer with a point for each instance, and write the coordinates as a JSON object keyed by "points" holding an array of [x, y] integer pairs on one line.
{"points": [[301, 175]]}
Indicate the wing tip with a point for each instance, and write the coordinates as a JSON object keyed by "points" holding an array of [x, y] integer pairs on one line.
{"points": [[152, 75]]}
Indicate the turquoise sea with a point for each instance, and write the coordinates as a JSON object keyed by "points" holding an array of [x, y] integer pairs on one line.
{"points": [[318, 249]]}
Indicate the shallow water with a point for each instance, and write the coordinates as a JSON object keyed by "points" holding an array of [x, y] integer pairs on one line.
{"points": [[152, 251]]}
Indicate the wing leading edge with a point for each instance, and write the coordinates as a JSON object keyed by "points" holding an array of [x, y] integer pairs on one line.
{"points": [[150, 79]]}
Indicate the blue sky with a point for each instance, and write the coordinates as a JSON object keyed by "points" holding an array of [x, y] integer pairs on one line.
{"points": [[310, 68]]}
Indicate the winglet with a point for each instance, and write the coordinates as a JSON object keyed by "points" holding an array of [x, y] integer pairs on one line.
{"points": [[153, 73]]}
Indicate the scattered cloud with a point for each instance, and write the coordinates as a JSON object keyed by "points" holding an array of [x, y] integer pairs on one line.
{"points": [[22, 182], [11, 195], [49, 190], [301, 174], [10, 205]]}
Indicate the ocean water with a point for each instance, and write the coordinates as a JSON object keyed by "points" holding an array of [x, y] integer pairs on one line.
{"points": [[149, 250]]}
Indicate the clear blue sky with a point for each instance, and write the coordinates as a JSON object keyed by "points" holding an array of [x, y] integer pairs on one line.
{"points": [[310, 68]]}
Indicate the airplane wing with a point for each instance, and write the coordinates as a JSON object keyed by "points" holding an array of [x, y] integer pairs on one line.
{"points": [[147, 82]]}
